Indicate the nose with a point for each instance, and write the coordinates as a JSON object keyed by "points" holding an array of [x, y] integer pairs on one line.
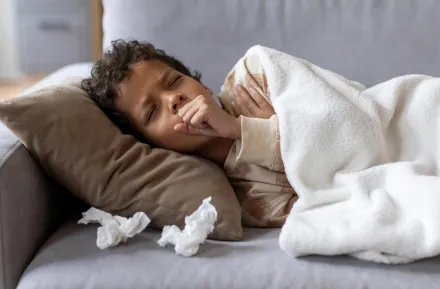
{"points": [[176, 101]]}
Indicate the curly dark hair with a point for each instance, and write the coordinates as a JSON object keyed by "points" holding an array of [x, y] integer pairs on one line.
{"points": [[114, 66]]}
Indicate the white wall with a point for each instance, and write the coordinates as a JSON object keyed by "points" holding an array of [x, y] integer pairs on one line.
{"points": [[9, 59]]}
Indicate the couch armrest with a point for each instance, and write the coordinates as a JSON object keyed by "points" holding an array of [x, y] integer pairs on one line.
{"points": [[30, 208]]}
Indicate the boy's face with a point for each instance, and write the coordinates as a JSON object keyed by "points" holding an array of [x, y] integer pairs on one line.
{"points": [[151, 97]]}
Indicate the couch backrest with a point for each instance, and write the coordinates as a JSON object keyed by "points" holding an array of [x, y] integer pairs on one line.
{"points": [[366, 40]]}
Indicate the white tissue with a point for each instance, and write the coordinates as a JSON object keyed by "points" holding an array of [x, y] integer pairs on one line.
{"points": [[197, 228], [114, 229]]}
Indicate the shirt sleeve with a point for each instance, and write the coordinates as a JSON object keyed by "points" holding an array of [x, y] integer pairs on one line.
{"points": [[260, 143]]}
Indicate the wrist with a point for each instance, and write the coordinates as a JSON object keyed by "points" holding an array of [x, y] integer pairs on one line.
{"points": [[237, 129]]}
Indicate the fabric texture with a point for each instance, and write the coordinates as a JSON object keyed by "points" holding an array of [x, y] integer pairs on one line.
{"points": [[366, 40], [364, 162], [259, 145], [70, 260], [254, 165], [78, 146]]}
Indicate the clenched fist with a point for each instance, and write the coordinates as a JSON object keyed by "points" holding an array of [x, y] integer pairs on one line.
{"points": [[202, 116]]}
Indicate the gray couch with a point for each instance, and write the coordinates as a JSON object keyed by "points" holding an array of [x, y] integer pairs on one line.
{"points": [[41, 246]]}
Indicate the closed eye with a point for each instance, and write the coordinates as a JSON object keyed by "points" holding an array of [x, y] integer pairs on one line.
{"points": [[150, 114], [175, 80]]}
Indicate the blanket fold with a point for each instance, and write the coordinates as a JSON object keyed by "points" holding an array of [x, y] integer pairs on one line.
{"points": [[364, 161]]}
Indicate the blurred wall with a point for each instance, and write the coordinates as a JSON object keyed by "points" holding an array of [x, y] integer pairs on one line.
{"points": [[9, 60]]}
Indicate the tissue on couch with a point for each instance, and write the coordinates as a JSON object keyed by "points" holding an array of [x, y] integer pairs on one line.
{"points": [[197, 228], [114, 229]]}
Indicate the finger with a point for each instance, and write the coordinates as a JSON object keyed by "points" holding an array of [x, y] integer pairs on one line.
{"points": [[194, 117], [184, 109], [181, 127], [244, 110], [186, 129], [257, 97], [255, 90], [199, 120], [246, 101], [188, 115], [197, 123], [250, 81]]}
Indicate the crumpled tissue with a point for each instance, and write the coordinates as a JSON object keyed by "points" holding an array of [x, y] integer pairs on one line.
{"points": [[114, 229], [197, 228]]}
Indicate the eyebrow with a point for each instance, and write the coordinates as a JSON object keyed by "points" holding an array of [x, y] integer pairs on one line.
{"points": [[164, 76]]}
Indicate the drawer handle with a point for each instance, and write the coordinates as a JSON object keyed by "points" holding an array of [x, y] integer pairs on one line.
{"points": [[54, 25]]}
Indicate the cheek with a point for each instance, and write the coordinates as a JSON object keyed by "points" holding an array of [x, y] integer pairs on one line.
{"points": [[195, 89], [166, 122], [163, 133]]}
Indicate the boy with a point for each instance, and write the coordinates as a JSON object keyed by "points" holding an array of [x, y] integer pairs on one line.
{"points": [[156, 98]]}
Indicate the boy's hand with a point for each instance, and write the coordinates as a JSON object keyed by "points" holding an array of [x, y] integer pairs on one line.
{"points": [[250, 103], [202, 116]]}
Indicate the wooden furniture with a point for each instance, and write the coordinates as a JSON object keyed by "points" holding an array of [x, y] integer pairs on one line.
{"points": [[96, 28]]}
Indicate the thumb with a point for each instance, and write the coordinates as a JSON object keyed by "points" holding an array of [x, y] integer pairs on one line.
{"points": [[186, 129]]}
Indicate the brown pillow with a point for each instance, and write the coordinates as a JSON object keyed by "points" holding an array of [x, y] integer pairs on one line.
{"points": [[83, 150]]}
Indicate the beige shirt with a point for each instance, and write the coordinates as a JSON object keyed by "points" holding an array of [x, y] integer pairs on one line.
{"points": [[256, 172], [254, 165]]}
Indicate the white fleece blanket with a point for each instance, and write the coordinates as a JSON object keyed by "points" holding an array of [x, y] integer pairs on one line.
{"points": [[364, 162]]}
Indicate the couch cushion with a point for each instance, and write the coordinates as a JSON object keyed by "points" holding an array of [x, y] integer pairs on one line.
{"points": [[77, 144], [71, 260], [368, 41]]}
